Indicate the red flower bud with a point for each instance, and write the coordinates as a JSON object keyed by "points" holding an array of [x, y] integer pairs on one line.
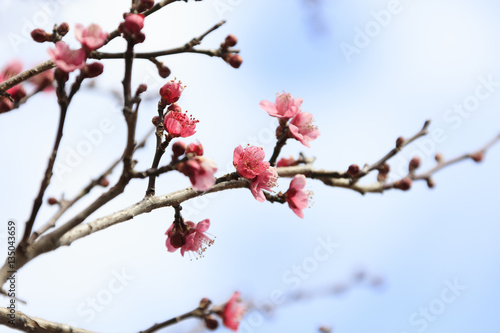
{"points": [[92, 70], [104, 182], [174, 107], [211, 323], [163, 70], [477, 157], [155, 120], [235, 61], [231, 40], [63, 28], [52, 201], [400, 141], [403, 184], [142, 88], [40, 36], [414, 164], [353, 171], [178, 149]]}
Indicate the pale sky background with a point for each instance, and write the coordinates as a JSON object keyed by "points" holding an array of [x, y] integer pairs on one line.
{"points": [[428, 57]]}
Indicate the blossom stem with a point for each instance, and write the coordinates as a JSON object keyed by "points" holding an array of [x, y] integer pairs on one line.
{"points": [[282, 137], [160, 150]]}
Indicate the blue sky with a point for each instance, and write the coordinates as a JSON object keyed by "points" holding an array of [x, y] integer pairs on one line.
{"points": [[426, 60]]}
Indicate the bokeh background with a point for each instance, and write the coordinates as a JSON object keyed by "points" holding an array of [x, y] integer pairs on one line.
{"points": [[406, 250]]}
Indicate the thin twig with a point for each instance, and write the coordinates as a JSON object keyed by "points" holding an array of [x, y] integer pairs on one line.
{"points": [[66, 204], [188, 47], [170, 322], [63, 105], [394, 151], [23, 76]]}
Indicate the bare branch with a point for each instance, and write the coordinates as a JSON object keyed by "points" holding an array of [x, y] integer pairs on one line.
{"points": [[23, 76], [186, 48], [25, 323], [66, 204], [396, 150], [63, 101]]}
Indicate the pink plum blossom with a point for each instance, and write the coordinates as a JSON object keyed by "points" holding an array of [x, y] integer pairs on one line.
{"points": [[91, 37], [285, 106], [171, 91], [67, 60], [297, 198], [200, 171], [302, 129], [249, 162], [179, 124], [233, 312], [264, 181], [188, 236]]}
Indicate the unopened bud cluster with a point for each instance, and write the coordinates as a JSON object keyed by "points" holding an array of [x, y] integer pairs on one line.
{"points": [[233, 59]]}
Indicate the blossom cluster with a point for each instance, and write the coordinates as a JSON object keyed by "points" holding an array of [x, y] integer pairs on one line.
{"points": [[176, 123], [250, 164], [301, 125], [188, 236], [91, 38]]}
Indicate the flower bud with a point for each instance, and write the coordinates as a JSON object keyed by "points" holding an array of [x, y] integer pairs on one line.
{"points": [[353, 171], [403, 184], [383, 171], [142, 88], [439, 157], [60, 75], [156, 121], [178, 149], [430, 183], [399, 142], [40, 36], [104, 182], [414, 164], [174, 107], [63, 29], [132, 25], [477, 157], [205, 303], [235, 61], [231, 41], [93, 70], [163, 70], [211, 323], [52, 201]]}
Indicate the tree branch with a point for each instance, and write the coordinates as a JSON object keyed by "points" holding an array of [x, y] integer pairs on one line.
{"points": [[25, 323], [66, 204], [188, 47], [63, 101], [23, 76]]}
